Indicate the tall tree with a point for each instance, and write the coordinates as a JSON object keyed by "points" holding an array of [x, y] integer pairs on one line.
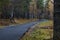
{"points": [[22, 8], [40, 8], [4, 7], [40, 4], [25, 8]]}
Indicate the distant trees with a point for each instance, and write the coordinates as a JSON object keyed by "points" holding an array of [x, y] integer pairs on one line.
{"points": [[4, 8], [49, 10], [40, 4], [20, 9], [40, 8], [25, 8]]}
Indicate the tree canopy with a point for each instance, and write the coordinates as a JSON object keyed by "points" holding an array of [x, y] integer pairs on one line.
{"points": [[40, 4]]}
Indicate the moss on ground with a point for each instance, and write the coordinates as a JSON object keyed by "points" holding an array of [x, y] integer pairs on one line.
{"points": [[40, 34], [46, 23]]}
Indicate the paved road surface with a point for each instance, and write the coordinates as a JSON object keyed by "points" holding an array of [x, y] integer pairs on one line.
{"points": [[15, 32]]}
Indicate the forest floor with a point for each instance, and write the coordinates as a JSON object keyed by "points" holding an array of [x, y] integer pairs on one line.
{"points": [[42, 31], [21, 21], [7, 22]]}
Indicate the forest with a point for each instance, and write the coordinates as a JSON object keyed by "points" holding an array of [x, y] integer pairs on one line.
{"points": [[26, 9], [20, 8], [26, 19]]}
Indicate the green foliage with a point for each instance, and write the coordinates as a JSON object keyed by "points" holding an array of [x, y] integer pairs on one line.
{"points": [[40, 4], [38, 34], [4, 0], [47, 3], [2, 3], [25, 5]]}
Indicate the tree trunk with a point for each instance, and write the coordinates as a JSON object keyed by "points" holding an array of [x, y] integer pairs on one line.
{"points": [[12, 15]]}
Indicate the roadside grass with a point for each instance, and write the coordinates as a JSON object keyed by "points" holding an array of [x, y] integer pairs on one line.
{"points": [[40, 34], [46, 23], [21, 21], [4, 22], [1, 26], [7, 22]]}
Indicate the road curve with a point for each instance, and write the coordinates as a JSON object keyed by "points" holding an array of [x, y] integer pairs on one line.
{"points": [[15, 32]]}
